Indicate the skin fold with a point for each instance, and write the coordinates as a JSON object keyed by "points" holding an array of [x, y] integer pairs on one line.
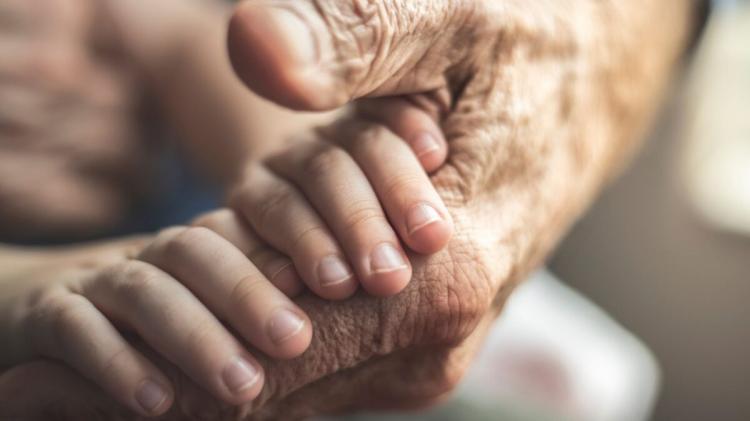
{"points": [[541, 103]]}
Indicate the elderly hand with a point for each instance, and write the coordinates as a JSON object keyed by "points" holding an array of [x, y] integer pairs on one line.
{"points": [[539, 100]]}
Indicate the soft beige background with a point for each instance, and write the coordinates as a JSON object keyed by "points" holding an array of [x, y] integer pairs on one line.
{"points": [[644, 255]]}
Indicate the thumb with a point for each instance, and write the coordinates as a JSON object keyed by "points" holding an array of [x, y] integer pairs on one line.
{"points": [[319, 54]]}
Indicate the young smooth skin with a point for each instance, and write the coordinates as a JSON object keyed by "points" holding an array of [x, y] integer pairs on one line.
{"points": [[191, 295], [340, 210], [201, 296]]}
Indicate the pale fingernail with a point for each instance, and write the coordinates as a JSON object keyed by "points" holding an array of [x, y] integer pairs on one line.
{"points": [[240, 375], [284, 324], [386, 258], [333, 271], [150, 396], [424, 143], [420, 216]]}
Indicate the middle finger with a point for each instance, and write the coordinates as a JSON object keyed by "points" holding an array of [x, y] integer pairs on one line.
{"points": [[341, 193]]}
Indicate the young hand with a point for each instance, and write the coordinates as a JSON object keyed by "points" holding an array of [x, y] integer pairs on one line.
{"points": [[336, 207], [190, 295]]}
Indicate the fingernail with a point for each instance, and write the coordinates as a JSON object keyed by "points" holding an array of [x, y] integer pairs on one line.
{"points": [[298, 39], [240, 375], [424, 143], [333, 271], [386, 258], [420, 216], [150, 396], [283, 325]]}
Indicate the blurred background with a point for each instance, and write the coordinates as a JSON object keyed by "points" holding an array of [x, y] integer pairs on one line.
{"points": [[666, 249]]}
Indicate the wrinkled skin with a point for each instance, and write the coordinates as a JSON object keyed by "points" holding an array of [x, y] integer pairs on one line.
{"points": [[546, 99], [541, 101]]}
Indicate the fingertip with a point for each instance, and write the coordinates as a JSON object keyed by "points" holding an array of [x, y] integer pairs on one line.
{"points": [[243, 380], [431, 238], [430, 148], [428, 230], [415, 126], [387, 284], [285, 277], [274, 52], [301, 342], [432, 161], [290, 331], [338, 292], [153, 397], [334, 278], [386, 270]]}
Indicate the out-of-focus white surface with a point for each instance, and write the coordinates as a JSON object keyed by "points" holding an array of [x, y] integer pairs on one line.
{"points": [[552, 355], [717, 159], [555, 350]]}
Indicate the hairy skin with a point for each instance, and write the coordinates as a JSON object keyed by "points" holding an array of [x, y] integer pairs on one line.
{"points": [[543, 102]]}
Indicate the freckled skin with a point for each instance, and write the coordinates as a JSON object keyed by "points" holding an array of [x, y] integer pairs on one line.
{"points": [[547, 101]]}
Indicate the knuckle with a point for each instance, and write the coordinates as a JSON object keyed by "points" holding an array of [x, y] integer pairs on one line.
{"points": [[213, 220], [377, 134], [403, 183], [182, 244], [113, 359], [363, 215], [254, 176], [454, 295], [131, 280], [162, 238], [301, 240], [362, 32], [434, 376], [246, 292], [371, 139], [324, 160], [64, 316], [268, 207], [202, 335], [43, 298], [452, 313]]}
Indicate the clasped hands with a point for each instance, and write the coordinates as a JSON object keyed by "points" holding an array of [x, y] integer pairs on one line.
{"points": [[518, 110], [335, 211]]}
